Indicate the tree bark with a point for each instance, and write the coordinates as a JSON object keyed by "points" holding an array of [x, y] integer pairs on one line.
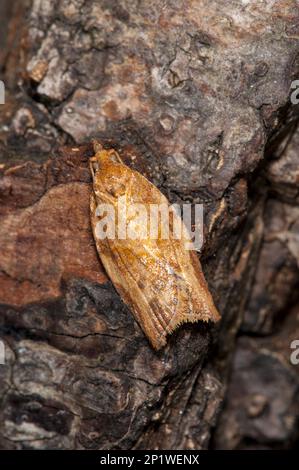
{"points": [[196, 96]]}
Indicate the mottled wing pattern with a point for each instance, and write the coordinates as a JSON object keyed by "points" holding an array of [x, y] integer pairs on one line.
{"points": [[158, 279]]}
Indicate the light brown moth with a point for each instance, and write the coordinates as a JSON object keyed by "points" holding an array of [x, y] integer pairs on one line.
{"points": [[158, 278]]}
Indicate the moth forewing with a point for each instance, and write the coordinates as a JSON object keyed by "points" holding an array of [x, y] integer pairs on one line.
{"points": [[158, 278]]}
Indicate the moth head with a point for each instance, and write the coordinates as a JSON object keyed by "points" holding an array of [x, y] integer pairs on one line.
{"points": [[101, 159], [109, 174]]}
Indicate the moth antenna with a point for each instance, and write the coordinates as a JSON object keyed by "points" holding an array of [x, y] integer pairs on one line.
{"points": [[115, 155], [97, 146], [94, 166]]}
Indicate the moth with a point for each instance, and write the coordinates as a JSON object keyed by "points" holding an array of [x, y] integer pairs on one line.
{"points": [[157, 277]]}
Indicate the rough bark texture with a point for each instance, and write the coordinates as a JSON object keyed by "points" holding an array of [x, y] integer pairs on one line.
{"points": [[195, 95]]}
